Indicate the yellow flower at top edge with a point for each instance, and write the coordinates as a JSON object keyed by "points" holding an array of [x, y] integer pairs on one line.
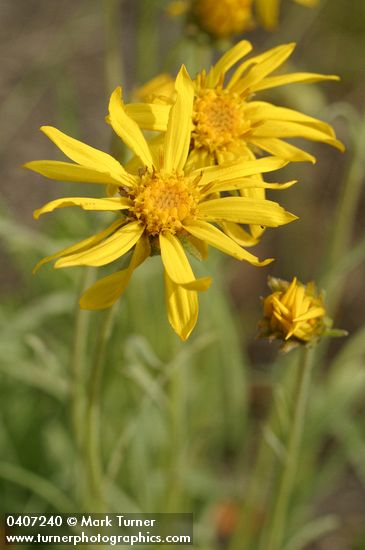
{"points": [[295, 314], [158, 208], [227, 18], [268, 11], [223, 19]]}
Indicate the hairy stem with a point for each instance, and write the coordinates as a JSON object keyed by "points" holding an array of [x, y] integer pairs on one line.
{"points": [[290, 467]]}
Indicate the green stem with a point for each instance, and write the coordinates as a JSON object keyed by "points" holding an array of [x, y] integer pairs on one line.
{"points": [[287, 482], [86, 408], [248, 526], [93, 414], [82, 321], [178, 439], [256, 493], [81, 330]]}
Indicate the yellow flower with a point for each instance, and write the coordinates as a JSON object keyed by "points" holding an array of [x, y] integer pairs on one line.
{"points": [[159, 89], [293, 313], [228, 122], [220, 19], [225, 18], [160, 206], [268, 11]]}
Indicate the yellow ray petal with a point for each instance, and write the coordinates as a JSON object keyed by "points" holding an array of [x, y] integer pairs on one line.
{"points": [[257, 231], [87, 156], [287, 298], [82, 245], [109, 204], [159, 88], [281, 149], [230, 58], [311, 314], [238, 234], [292, 78], [127, 129], [177, 265], [257, 111], [286, 129], [198, 158], [280, 306], [291, 332], [200, 246], [245, 183], [149, 116], [257, 68], [245, 210], [134, 165], [298, 301], [239, 169], [254, 193], [177, 138], [182, 308], [107, 251], [213, 236], [65, 171], [105, 292]]}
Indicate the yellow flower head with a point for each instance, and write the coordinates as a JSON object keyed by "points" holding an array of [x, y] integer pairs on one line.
{"points": [[225, 18], [160, 206], [294, 313], [220, 19], [229, 122], [268, 11]]}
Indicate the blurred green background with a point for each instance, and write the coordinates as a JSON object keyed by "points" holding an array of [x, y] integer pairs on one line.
{"points": [[180, 421]]}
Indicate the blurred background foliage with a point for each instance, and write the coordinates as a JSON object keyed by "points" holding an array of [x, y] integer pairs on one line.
{"points": [[181, 423]]}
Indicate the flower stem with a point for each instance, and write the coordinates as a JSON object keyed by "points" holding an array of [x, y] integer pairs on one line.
{"points": [[291, 463], [175, 498], [77, 367], [93, 425]]}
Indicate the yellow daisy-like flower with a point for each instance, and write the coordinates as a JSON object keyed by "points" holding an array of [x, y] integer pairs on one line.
{"points": [[268, 11], [294, 313], [227, 18], [160, 206], [223, 19], [227, 122]]}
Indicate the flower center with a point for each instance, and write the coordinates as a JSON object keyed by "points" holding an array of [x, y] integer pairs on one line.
{"points": [[218, 120], [162, 202]]}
